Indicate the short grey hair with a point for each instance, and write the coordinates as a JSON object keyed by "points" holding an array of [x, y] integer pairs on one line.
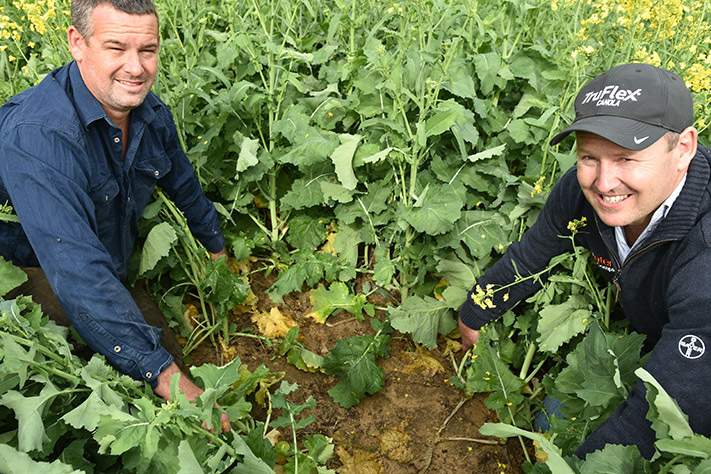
{"points": [[81, 11], [672, 139]]}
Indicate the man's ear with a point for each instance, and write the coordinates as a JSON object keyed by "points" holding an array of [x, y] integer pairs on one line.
{"points": [[77, 43], [686, 147]]}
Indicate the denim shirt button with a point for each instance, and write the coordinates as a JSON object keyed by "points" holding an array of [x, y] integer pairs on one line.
{"points": [[156, 173], [117, 139], [149, 375], [117, 349]]}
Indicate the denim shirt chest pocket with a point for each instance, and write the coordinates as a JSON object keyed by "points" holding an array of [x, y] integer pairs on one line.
{"points": [[146, 174], [104, 195]]}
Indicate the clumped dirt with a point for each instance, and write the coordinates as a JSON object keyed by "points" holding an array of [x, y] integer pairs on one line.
{"points": [[417, 423]]}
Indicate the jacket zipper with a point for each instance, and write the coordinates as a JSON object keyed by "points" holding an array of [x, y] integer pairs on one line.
{"points": [[629, 258], [637, 254]]}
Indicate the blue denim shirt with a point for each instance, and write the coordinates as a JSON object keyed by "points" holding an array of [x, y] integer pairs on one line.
{"points": [[79, 203]]}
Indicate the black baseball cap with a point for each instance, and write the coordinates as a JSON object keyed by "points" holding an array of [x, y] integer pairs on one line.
{"points": [[632, 105]]}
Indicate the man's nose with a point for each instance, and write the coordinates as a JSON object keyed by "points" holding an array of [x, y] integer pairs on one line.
{"points": [[606, 179], [133, 64]]}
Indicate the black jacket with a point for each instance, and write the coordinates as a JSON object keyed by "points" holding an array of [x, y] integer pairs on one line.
{"points": [[665, 294]]}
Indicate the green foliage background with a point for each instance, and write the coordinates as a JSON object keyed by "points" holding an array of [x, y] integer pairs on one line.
{"points": [[415, 132]]}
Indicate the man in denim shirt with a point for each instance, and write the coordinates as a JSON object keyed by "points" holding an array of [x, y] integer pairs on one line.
{"points": [[80, 155]]}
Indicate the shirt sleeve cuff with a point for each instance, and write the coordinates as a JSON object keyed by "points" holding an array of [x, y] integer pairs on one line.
{"points": [[214, 243], [150, 366], [470, 316]]}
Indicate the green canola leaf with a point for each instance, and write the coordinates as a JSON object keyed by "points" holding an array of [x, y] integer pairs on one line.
{"points": [[309, 267], [615, 459], [593, 364], [353, 361], [121, 431], [489, 373], [366, 206], [337, 297], [488, 153], [291, 411], [377, 157], [487, 67], [346, 244], [439, 210], [10, 277], [158, 243], [213, 376], [247, 154], [188, 462], [306, 232], [559, 323], [342, 158], [15, 358], [384, 269], [88, 414], [460, 81], [305, 192], [250, 464], [28, 412], [423, 318], [669, 420], [335, 192], [17, 462], [696, 446], [446, 115], [519, 131], [480, 231], [555, 460]]}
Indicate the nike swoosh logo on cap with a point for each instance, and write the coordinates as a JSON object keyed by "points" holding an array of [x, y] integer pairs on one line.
{"points": [[640, 140]]}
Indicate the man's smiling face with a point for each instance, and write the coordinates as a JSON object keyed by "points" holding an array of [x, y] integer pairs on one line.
{"points": [[625, 187], [118, 59]]}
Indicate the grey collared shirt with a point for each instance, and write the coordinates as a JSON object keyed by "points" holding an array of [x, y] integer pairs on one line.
{"points": [[623, 248]]}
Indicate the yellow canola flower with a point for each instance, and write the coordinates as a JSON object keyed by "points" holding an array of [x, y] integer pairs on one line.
{"points": [[698, 78], [576, 224], [538, 186], [483, 298]]}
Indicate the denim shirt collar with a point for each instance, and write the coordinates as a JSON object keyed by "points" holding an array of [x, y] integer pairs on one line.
{"points": [[89, 108]]}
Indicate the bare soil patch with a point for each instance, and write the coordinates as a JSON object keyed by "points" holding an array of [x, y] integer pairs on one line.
{"points": [[417, 423]]}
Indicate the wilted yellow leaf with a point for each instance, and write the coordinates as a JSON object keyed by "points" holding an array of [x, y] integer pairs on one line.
{"points": [[240, 267], [329, 246], [394, 443], [274, 323], [260, 202], [360, 462], [452, 347], [439, 288], [420, 362], [228, 352], [190, 315], [273, 436], [541, 456]]}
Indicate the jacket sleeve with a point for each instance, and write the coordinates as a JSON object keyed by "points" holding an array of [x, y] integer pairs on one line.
{"points": [[539, 244], [183, 187], [678, 362], [48, 189]]}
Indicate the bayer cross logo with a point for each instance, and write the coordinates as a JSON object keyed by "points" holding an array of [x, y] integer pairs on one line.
{"points": [[691, 347]]}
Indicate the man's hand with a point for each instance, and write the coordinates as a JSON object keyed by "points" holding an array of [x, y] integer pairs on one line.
{"points": [[469, 336], [216, 256], [187, 387]]}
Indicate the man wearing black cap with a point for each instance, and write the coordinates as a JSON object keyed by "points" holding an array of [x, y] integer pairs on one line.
{"points": [[643, 183]]}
